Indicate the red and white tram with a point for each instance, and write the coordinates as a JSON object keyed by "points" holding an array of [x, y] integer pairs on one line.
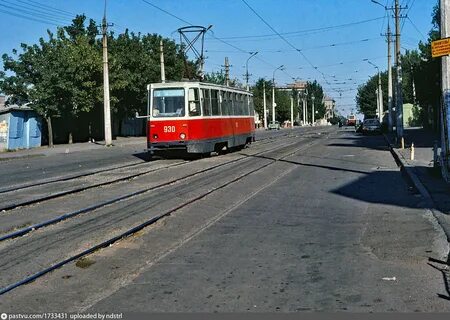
{"points": [[198, 117]]}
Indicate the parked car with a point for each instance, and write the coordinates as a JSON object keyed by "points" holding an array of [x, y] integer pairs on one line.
{"points": [[274, 126], [371, 126]]}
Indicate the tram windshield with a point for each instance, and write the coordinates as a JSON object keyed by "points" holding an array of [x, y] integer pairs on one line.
{"points": [[168, 103]]}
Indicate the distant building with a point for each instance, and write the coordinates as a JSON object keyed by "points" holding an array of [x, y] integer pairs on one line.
{"points": [[300, 86], [330, 104]]}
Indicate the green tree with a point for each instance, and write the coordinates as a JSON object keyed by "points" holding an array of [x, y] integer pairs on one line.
{"points": [[366, 97], [218, 77], [57, 77], [428, 75], [316, 90], [134, 63], [258, 96]]}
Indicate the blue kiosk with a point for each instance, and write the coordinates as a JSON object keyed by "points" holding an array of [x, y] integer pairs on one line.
{"points": [[20, 128]]}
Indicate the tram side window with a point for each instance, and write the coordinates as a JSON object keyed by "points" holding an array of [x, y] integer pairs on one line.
{"points": [[246, 104], [236, 107], [251, 107], [194, 102], [206, 102], [226, 104], [215, 103], [236, 104], [243, 104]]}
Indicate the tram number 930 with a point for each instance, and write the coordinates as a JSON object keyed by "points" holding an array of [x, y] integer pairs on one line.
{"points": [[168, 129]]}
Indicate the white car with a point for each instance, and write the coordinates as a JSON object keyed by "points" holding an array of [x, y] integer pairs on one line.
{"points": [[274, 126]]}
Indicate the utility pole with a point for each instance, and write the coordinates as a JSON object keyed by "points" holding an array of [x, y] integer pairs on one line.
{"points": [[390, 119], [273, 92], [227, 72], [306, 108], [312, 118], [413, 85], [161, 59], [264, 104], [377, 93], [380, 97], [106, 106], [273, 100], [292, 111], [398, 58], [445, 110]]}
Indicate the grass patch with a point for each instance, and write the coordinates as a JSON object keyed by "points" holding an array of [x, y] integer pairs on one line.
{"points": [[84, 263]]}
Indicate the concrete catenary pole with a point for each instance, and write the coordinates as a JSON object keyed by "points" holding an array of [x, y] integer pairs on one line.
{"points": [[306, 107], [292, 111], [273, 100], [377, 94], [106, 105], [264, 104], [380, 97], [398, 58], [390, 115], [312, 117], [227, 72], [445, 110], [247, 75], [161, 60]]}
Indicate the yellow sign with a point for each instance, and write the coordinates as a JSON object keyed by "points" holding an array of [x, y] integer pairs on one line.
{"points": [[440, 48]]}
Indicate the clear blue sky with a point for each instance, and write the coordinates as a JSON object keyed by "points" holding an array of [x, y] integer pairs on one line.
{"points": [[336, 52]]}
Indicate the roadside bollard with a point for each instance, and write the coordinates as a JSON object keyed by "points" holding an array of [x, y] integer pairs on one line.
{"points": [[412, 151], [402, 141]]}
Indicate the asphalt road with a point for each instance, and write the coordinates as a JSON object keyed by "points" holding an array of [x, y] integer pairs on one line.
{"points": [[318, 222]]}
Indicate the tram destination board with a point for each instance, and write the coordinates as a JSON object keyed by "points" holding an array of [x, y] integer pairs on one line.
{"points": [[440, 48]]}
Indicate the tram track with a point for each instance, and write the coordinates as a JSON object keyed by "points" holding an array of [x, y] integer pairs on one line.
{"points": [[22, 231], [25, 199], [15, 200], [261, 163], [66, 178]]}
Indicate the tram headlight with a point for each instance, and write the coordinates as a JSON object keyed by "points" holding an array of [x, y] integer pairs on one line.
{"points": [[155, 136], [182, 136]]}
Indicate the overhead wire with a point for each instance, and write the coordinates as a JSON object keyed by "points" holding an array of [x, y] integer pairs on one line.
{"points": [[301, 32], [212, 33], [286, 41], [23, 11]]}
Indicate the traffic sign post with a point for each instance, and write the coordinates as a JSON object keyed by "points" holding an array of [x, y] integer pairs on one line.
{"points": [[440, 48]]}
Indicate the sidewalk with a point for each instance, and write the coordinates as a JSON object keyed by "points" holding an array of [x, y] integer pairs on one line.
{"points": [[423, 176], [69, 148]]}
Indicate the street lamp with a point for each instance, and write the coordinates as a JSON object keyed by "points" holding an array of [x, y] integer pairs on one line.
{"points": [[252, 54], [376, 2], [273, 92]]}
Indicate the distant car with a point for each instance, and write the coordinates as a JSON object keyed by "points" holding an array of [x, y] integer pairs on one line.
{"points": [[274, 126], [371, 126]]}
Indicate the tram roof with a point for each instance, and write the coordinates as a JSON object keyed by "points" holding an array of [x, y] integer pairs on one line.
{"points": [[196, 84]]}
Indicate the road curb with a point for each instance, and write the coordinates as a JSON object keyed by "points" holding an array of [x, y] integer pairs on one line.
{"points": [[429, 204], [412, 177]]}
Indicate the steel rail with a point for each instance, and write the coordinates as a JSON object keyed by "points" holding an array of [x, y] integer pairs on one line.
{"points": [[65, 178], [150, 221], [68, 215]]}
